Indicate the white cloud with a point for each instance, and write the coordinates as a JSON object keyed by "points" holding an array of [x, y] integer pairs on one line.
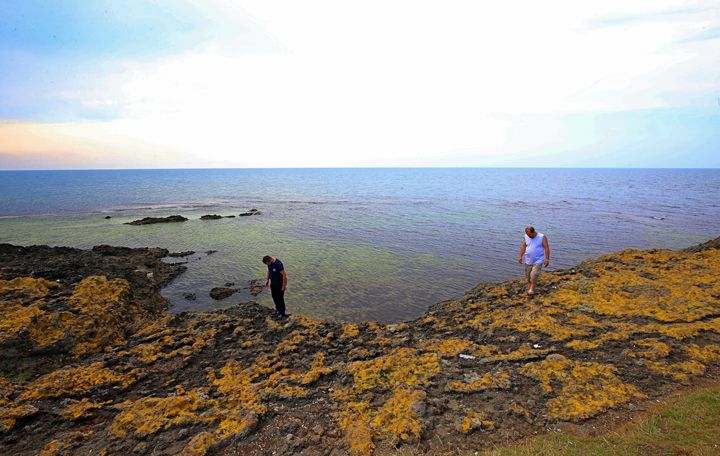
{"points": [[390, 83]]}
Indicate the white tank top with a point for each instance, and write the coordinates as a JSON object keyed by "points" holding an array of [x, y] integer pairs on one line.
{"points": [[534, 250]]}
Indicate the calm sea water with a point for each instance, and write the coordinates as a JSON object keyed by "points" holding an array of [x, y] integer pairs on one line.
{"points": [[361, 243]]}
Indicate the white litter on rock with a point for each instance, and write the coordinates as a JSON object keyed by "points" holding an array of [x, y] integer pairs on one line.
{"points": [[463, 356]]}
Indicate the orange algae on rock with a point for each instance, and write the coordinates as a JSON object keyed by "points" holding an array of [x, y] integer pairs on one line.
{"points": [[75, 380], [583, 389]]}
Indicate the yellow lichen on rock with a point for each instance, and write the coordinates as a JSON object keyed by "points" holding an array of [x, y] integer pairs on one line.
{"points": [[16, 318], [679, 371], [477, 383], [238, 383], [650, 349], [10, 412], [453, 346], [64, 445], [103, 311], [473, 421], [707, 354], [317, 370], [79, 409], [663, 285], [28, 287], [74, 381], [149, 415], [290, 343], [402, 372], [398, 418], [350, 330], [620, 331], [585, 388], [99, 313], [404, 366], [528, 318], [200, 444]]}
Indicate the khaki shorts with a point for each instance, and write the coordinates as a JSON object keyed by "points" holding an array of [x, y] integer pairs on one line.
{"points": [[532, 271]]}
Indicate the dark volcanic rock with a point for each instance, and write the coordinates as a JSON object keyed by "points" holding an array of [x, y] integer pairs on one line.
{"points": [[210, 252], [107, 217], [152, 220], [470, 374], [189, 296], [211, 217], [181, 254], [250, 212], [713, 244], [219, 293]]}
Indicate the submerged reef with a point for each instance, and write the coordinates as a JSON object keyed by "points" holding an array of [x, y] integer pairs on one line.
{"points": [[93, 364]]}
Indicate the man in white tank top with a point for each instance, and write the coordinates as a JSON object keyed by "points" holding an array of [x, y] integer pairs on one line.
{"points": [[535, 252]]}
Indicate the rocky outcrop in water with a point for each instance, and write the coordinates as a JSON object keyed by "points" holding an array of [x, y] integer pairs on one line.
{"points": [[219, 293], [153, 220], [250, 212], [181, 254], [99, 368]]}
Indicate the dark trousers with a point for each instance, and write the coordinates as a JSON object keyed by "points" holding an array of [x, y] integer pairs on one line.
{"points": [[278, 295]]}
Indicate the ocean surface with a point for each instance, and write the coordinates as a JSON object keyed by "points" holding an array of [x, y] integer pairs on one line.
{"points": [[360, 244]]}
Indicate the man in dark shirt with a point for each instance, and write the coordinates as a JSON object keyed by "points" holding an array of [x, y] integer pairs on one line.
{"points": [[277, 280]]}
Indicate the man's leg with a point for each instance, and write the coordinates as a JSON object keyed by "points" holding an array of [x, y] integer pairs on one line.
{"points": [[278, 296], [528, 269], [534, 274]]}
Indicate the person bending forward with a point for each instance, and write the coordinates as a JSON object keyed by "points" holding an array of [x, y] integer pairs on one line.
{"points": [[277, 280]]}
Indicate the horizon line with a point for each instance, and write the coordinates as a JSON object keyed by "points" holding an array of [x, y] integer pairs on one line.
{"points": [[357, 167]]}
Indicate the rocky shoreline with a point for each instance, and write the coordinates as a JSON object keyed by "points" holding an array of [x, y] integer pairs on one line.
{"points": [[91, 363]]}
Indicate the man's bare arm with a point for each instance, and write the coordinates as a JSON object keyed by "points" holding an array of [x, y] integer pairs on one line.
{"points": [[546, 246], [522, 252], [284, 278], [267, 279]]}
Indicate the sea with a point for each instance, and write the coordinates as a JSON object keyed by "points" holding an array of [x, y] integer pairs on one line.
{"points": [[360, 244]]}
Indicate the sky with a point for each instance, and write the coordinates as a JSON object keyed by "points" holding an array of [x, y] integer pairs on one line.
{"points": [[336, 83]]}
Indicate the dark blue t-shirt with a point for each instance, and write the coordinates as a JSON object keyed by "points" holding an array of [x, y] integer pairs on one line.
{"points": [[275, 273]]}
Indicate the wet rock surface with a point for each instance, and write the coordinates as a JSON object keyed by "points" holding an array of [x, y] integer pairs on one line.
{"points": [[181, 254], [609, 334], [211, 217], [250, 212], [153, 220], [219, 293]]}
